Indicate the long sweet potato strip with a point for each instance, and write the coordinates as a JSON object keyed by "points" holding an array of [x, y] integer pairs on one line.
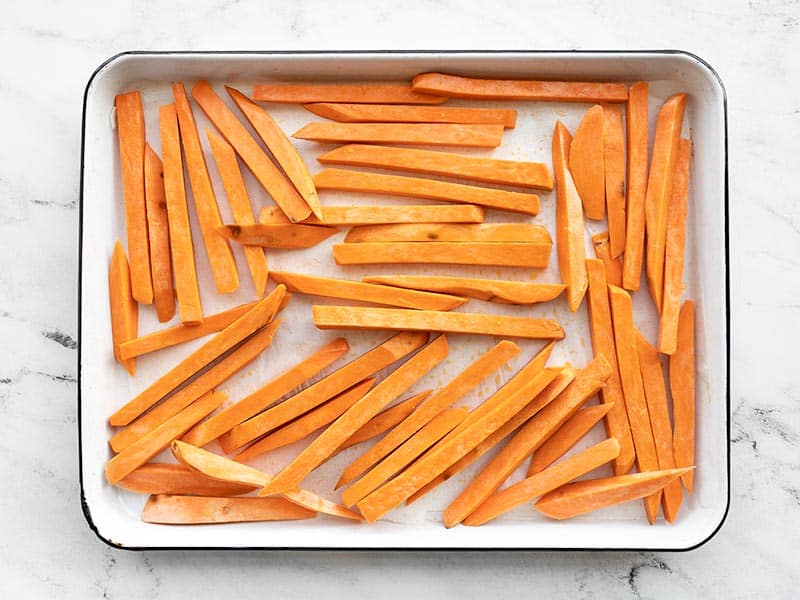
{"points": [[370, 93], [451, 232], [454, 86], [506, 254], [636, 123], [387, 113], [614, 165], [288, 236], [682, 388], [169, 478], [423, 134], [586, 163], [158, 234], [192, 510], [415, 213], [613, 266], [130, 131], [123, 307]]}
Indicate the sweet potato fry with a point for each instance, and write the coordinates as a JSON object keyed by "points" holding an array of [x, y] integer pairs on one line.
{"points": [[544, 481], [281, 148], [490, 290], [429, 189], [682, 388], [633, 390], [569, 222], [614, 165], [430, 162], [265, 396], [186, 510], [169, 478], [158, 234], [123, 306], [365, 292], [397, 382], [232, 181], [414, 213], [586, 163], [636, 122], [582, 497], [287, 236], [220, 255], [130, 131], [613, 266], [451, 232], [226, 339], [190, 310], [420, 134], [666, 147], [386, 113], [269, 176], [368, 93], [507, 254], [454, 86]]}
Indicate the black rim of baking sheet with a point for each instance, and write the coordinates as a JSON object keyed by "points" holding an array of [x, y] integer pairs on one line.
{"points": [[85, 506]]}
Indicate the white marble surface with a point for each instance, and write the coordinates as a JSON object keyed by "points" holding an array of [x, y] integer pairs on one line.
{"points": [[49, 50]]}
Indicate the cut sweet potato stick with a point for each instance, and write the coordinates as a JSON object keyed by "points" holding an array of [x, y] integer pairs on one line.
{"points": [[223, 469], [405, 454], [451, 232], [123, 307], [562, 441], [655, 393], [397, 382], [368, 93], [454, 86], [682, 388], [460, 385], [326, 388], [304, 426], [423, 134], [130, 131], [277, 236], [190, 510], [431, 162], [570, 242], [614, 165], [181, 333], [430, 189], [385, 420], [613, 266], [674, 251], [385, 113], [401, 319], [280, 146], [666, 147], [169, 478], [636, 123], [458, 443], [234, 362], [220, 255], [414, 213], [601, 329], [586, 163], [544, 481], [633, 390], [145, 448], [190, 310], [365, 292], [226, 339], [505, 254], [232, 181], [268, 175], [158, 234], [490, 290], [265, 396], [538, 429], [582, 497]]}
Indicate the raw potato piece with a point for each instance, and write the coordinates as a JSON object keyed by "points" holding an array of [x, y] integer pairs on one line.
{"points": [[636, 121], [190, 310], [370, 93], [220, 255], [158, 233], [186, 510], [614, 165], [569, 222], [491, 290], [124, 309], [415, 213], [287, 236], [682, 388], [475, 168], [384, 113], [506, 254], [169, 478], [586, 163], [365, 292], [437, 232], [281, 148], [130, 131], [582, 497], [455, 86], [429, 189], [425, 134], [613, 266]]}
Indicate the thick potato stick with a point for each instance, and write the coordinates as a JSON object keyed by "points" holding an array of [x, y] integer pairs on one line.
{"points": [[368, 93], [423, 134], [122, 305], [158, 234], [636, 123], [451, 232], [387, 113], [506, 254]]}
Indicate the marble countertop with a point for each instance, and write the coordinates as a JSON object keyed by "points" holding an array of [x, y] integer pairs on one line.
{"points": [[50, 49]]}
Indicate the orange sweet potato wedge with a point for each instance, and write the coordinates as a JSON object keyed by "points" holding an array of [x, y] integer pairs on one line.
{"points": [[682, 387], [158, 234], [451, 232], [387, 113], [169, 478], [506, 254], [636, 122], [602, 250], [289, 236], [614, 165], [586, 163], [424, 134], [415, 213], [369, 93], [124, 309], [192, 510]]}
